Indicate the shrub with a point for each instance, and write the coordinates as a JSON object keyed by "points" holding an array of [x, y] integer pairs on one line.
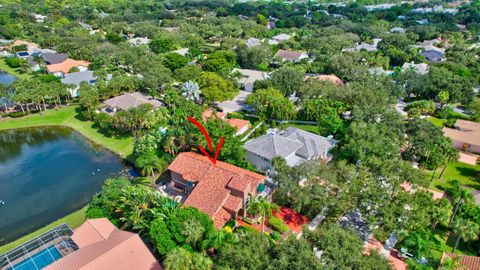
{"points": [[13, 62], [277, 224], [275, 235], [231, 223], [16, 114], [176, 223], [95, 212], [161, 237]]}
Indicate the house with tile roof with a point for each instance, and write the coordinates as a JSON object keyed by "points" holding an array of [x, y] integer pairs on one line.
{"points": [[73, 80], [465, 262], [222, 191], [291, 56], [249, 77], [465, 136], [127, 101], [279, 39], [239, 124], [102, 246], [420, 68], [322, 77], [294, 145], [434, 55], [60, 69]]}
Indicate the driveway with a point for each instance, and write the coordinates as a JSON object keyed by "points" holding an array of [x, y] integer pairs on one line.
{"points": [[234, 105]]}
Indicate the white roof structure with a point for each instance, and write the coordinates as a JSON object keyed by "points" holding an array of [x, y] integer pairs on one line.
{"points": [[252, 42], [182, 51], [249, 76], [421, 68], [139, 41]]}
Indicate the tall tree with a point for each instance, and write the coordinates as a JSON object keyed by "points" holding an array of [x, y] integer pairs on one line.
{"points": [[261, 206]]}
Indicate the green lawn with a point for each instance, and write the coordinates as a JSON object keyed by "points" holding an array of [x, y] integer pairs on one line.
{"points": [[13, 71], [468, 175], [68, 117], [446, 242], [73, 220], [436, 121]]}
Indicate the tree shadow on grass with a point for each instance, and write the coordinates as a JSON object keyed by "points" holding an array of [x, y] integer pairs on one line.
{"points": [[469, 172]]}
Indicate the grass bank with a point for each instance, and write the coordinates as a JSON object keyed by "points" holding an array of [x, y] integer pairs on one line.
{"points": [[67, 116], [73, 220], [467, 174], [13, 71]]}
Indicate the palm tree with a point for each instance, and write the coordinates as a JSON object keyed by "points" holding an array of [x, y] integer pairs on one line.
{"points": [[467, 230], [181, 259], [261, 206], [452, 154], [441, 213], [143, 181], [459, 195], [149, 164], [193, 231], [191, 90], [217, 239]]}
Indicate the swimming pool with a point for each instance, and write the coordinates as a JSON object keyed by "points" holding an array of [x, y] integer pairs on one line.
{"points": [[39, 260]]}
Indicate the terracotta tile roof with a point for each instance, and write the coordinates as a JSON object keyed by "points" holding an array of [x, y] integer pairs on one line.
{"points": [[238, 123], [93, 231], [234, 122], [214, 183], [131, 100], [209, 113], [469, 137], [221, 218], [121, 250], [331, 78], [66, 65], [233, 203], [466, 262], [467, 125]]}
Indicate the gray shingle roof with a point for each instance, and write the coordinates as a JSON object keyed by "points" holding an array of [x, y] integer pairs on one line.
{"points": [[54, 58], [304, 144], [79, 77]]}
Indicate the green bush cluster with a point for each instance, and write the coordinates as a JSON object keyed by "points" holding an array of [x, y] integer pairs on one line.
{"points": [[277, 224]]}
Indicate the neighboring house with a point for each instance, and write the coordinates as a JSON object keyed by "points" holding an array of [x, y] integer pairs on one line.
{"points": [[422, 21], [294, 145], [465, 136], [182, 51], [380, 71], [368, 47], [421, 68], [64, 67], [322, 77], [76, 79], [86, 26], [465, 262], [171, 29], [39, 18], [291, 56], [138, 41], [249, 77], [102, 246], [398, 30], [252, 42], [128, 101], [222, 191], [239, 124], [279, 39], [31, 47], [54, 58], [433, 56]]}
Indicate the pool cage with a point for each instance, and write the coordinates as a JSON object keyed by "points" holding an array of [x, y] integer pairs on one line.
{"points": [[41, 251]]}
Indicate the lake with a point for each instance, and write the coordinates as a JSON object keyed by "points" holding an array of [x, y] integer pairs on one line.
{"points": [[47, 173], [6, 78]]}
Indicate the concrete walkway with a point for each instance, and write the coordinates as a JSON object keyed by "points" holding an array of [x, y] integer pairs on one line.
{"points": [[468, 158]]}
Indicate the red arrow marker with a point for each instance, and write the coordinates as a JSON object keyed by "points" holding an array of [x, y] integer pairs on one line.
{"points": [[209, 141]]}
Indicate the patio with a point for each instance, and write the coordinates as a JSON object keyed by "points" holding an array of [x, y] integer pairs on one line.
{"points": [[294, 220]]}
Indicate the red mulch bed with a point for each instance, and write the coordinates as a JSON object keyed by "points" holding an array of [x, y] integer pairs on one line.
{"points": [[294, 220]]}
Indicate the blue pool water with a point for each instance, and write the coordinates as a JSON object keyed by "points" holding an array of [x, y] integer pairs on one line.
{"points": [[39, 260]]}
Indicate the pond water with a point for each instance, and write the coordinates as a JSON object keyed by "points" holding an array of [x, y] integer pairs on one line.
{"points": [[6, 78], [47, 173]]}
